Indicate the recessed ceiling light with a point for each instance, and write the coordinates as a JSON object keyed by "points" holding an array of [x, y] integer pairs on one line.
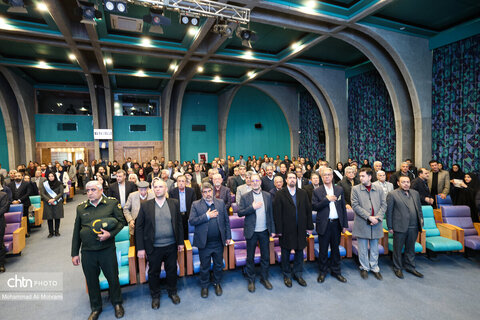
{"points": [[217, 79], [43, 65], [140, 73], [172, 66], [192, 31], [71, 56], [4, 25], [83, 109], [251, 74], [42, 7], [402, 28], [248, 55], [108, 61], [146, 42], [200, 69]]}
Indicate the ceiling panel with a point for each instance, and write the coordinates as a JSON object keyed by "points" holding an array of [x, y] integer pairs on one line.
{"points": [[205, 86], [139, 61], [224, 70], [334, 51], [31, 51], [140, 83], [276, 76], [54, 76]]}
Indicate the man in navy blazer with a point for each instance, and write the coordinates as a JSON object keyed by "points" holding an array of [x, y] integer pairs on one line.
{"points": [[221, 192], [185, 201], [329, 202], [256, 207], [212, 232]]}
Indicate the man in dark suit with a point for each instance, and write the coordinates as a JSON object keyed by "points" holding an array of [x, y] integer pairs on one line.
{"points": [[4, 206], [315, 183], [420, 184], [212, 232], [403, 172], [20, 194], [240, 179], [329, 202], [127, 165], [185, 197], [405, 221], [301, 181], [197, 174], [256, 207], [121, 189], [220, 191], [278, 185], [268, 180], [159, 234], [293, 217]]}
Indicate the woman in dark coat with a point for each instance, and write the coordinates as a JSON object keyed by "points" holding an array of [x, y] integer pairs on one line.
{"points": [[466, 194], [51, 192], [456, 173]]}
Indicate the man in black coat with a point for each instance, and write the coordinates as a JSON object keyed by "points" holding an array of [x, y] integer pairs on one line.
{"points": [[21, 194], [315, 183], [268, 180], [293, 217], [185, 197], [220, 191], [420, 184], [159, 235], [4, 206], [121, 189], [329, 202]]}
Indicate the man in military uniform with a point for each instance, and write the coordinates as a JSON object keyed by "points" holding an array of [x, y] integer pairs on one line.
{"points": [[98, 249]]}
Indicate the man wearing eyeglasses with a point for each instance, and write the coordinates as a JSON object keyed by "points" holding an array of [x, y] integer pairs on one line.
{"points": [[98, 249], [256, 207]]}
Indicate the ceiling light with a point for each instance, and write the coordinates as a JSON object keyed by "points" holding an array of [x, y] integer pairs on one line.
{"points": [[89, 12], [109, 5], [42, 7], [217, 79], [251, 74], [248, 55], [157, 20], [4, 25], [71, 56], [121, 7], [173, 66], [43, 65], [223, 29], [192, 20], [192, 31], [108, 61], [200, 69], [116, 105], [83, 109], [140, 73], [115, 6], [16, 6], [146, 42], [402, 28]]}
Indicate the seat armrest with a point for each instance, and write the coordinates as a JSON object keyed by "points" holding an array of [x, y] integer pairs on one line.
{"points": [[437, 214], [477, 227], [24, 224], [447, 231], [271, 245], [310, 248], [231, 255], [225, 256], [132, 265], [18, 240], [348, 243], [384, 241], [142, 268], [460, 234], [38, 216], [188, 257], [181, 261], [422, 239]]}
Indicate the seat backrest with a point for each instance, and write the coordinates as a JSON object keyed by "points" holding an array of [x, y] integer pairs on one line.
{"points": [[234, 207], [11, 227], [238, 238], [35, 201], [122, 244], [441, 202], [123, 235], [13, 217], [236, 222], [16, 207], [429, 224], [459, 216]]}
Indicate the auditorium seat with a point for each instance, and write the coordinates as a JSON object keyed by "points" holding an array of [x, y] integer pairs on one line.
{"points": [[239, 244], [14, 238], [37, 218], [441, 237], [467, 232], [420, 246], [312, 250], [19, 208], [381, 248]]}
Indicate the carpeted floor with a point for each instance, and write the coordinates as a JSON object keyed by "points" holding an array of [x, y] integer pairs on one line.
{"points": [[448, 291]]}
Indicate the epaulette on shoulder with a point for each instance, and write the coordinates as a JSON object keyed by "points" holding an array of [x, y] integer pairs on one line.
{"points": [[111, 198], [84, 202]]}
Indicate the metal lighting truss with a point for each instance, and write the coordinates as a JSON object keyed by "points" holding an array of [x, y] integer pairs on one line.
{"points": [[202, 8]]}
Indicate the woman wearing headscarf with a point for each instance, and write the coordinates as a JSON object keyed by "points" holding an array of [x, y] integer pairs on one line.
{"points": [[51, 192], [466, 192], [456, 177], [338, 172]]}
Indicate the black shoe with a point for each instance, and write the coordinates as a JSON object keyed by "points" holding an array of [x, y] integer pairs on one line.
{"points": [[301, 281], [377, 275], [155, 303], [57, 234], [204, 293], [251, 286], [94, 315], [50, 235], [175, 298], [364, 274], [339, 277], [398, 273], [415, 273], [27, 235], [218, 289], [266, 284], [2, 268], [321, 277], [119, 312], [287, 281]]}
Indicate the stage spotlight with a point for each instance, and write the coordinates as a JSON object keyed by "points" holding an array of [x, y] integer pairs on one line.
{"points": [[109, 5], [157, 20], [88, 12], [121, 6], [192, 20], [17, 6], [223, 29], [115, 6], [247, 36]]}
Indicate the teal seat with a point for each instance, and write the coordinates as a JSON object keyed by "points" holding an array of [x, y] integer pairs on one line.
{"points": [[35, 201], [418, 246], [434, 241], [122, 244]]}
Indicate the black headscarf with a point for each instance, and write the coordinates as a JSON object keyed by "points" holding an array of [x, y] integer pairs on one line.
{"points": [[473, 185], [457, 175], [55, 183]]}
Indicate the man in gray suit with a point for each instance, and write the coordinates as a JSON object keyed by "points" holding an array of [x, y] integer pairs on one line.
{"points": [[369, 203], [438, 181], [256, 207], [405, 221]]}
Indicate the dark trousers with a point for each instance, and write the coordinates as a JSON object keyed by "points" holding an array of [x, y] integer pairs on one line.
{"points": [[331, 238], [297, 263], [185, 225], [213, 250], [167, 255], [50, 225], [407, 240], [3, 250], [105, 259], [263, 239]]}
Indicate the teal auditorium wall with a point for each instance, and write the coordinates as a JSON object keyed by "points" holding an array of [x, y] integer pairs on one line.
{"points": [[3, 144], [121, 128], [251, 106], [199, 109], [46, 128]]}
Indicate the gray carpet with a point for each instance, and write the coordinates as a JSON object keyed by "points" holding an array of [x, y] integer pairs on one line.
{"points": [[448, 291]]}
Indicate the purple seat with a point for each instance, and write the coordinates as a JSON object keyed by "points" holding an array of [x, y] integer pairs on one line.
{"points": [[234, 208], [14, 238], [232, 198], [278, 251], [240, 244], [351, 221], [460, 216]]}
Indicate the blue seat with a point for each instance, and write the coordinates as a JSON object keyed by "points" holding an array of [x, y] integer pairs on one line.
{"points": [[438, 238], [418, 246], [443, 202], [192, 258]]}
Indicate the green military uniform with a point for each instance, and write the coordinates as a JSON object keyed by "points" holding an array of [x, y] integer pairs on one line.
{"points": [[98, 254]]}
